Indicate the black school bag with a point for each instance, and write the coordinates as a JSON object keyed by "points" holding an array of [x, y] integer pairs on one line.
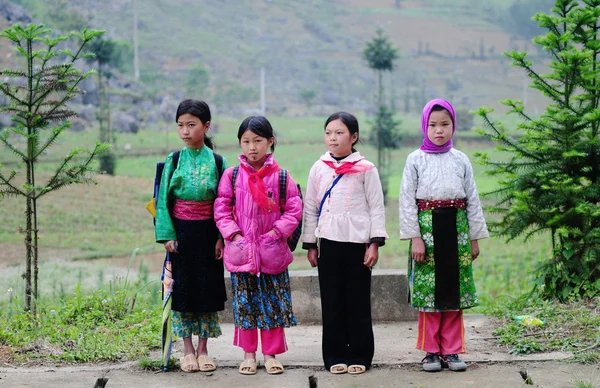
{"points": [[151, 206], [292, 241]]}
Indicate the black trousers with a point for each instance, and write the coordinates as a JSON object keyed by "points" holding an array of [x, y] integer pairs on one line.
{"points": [[345, 284]]}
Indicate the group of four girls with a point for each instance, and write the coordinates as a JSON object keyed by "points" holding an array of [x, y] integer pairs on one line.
{"points": [[241, 217]]}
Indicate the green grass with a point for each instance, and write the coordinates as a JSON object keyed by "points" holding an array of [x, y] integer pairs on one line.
{"points": [[569, 327], [81, 315]]}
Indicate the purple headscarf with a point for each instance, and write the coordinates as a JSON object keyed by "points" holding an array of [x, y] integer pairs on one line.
{"points": [[427, 145]]}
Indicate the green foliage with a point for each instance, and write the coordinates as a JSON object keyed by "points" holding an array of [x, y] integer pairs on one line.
{"points": [[551, 182], [108, 162], [197, 81], [308, 97], [64, 17], [38, 94], [379, 52], [386, 137], [104, 325], [109, 54], [380, 55], [569, 327]]}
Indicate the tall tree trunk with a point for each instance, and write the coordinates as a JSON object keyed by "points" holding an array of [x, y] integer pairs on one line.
{"points": [[380, 96], [30, 181], [136, 63]]}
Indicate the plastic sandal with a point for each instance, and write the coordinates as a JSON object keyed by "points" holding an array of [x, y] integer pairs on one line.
{"points": [[248, 367], [206, 364], [273, 366], [338, 369], [189, 364], [356, 369]]}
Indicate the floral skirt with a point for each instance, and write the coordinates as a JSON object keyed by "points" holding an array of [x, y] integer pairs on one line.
{"points": [[444, 281], [263, 302], [205, 325]]}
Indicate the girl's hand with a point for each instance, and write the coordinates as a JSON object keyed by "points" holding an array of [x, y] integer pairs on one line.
{"points": [[236, 237], [272, 232], [219, 246], [371, 255], [171, 246], [312, 257], [474, 249], [418, 249]]}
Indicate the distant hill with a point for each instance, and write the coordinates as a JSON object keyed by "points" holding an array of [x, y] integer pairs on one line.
{"points": [[449, 49]]}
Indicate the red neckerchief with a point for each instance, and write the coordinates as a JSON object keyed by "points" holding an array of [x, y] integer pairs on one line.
{"points": [[258, 189], [348, 167]]}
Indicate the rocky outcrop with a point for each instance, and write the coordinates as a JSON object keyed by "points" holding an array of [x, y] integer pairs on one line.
{"points": [[14, 13]]}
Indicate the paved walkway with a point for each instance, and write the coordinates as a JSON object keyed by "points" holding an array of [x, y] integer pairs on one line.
{"points": [[396, 364]]}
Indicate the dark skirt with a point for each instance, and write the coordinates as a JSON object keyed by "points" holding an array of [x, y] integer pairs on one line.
{"points": [[199, 284]]}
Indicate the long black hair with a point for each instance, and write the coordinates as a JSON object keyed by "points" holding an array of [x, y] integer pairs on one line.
{"points": [[260, 126], [198, 109], [349, 121]]}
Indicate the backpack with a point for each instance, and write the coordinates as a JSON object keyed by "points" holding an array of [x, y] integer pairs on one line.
{"points": [[151, 206], [292, 241]]}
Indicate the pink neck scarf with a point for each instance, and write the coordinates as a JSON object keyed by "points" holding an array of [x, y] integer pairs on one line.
{"points": [[349, 167], [258, 189]]}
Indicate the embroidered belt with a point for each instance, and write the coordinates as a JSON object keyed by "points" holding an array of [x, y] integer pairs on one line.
{"points": [[426, 204], [193, 210]]}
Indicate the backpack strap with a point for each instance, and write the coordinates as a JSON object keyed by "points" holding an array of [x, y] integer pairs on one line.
{"points": [[219, 163], [234, 174], [283, 178], [176, 159]]}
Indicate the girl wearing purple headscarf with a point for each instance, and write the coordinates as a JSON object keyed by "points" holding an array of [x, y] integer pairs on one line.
{"points": [[441, 214]]}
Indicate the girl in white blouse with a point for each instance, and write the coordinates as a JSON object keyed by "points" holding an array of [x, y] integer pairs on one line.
{"points": [[344, 214], [440, 212]]}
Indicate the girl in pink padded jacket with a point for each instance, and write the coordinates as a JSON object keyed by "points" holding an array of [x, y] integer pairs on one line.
{"points": [[255, 224]]}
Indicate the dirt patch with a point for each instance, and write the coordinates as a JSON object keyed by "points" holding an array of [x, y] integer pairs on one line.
{"points": [[14, 254], [6, 355], [152, 260]]}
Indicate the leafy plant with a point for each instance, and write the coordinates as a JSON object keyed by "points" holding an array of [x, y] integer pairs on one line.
{"points": [[386, 137], [108, 54], [551, 181], [38, 96], [380, 55], [570, 327]]}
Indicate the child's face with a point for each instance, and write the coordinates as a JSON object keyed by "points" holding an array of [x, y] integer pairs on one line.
{"points": [[439, 129], [192, 130], [338, 138], [255, 147]]}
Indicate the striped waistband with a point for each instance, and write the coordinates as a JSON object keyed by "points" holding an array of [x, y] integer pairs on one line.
{"points": [[193, 210], [426, 204]]}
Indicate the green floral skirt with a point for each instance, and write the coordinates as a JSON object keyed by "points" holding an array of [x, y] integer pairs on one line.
{"points": [[450, 286], [205, 325]]}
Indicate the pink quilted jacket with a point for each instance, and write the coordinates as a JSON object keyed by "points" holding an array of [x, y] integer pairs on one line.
{"points": [[256, 252]]}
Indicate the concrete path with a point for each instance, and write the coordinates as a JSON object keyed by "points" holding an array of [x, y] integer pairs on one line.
{"points": [[396, 364]]}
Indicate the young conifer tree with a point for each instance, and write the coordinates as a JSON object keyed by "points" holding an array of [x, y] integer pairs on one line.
{"points": [[550, 179], [38, 93]]}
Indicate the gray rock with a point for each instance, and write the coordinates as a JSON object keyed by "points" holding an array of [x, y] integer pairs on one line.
{"points": [[14, 13], [168, 108], [78, 124], [124, 122], [87, 112]]}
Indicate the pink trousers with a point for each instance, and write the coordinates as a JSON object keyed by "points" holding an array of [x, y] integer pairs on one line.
{"points": [[272, 341], [441, 332]]}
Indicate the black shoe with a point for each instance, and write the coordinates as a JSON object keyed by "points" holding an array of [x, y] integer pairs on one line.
{"points": [[432, 362], [452, 362]]}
